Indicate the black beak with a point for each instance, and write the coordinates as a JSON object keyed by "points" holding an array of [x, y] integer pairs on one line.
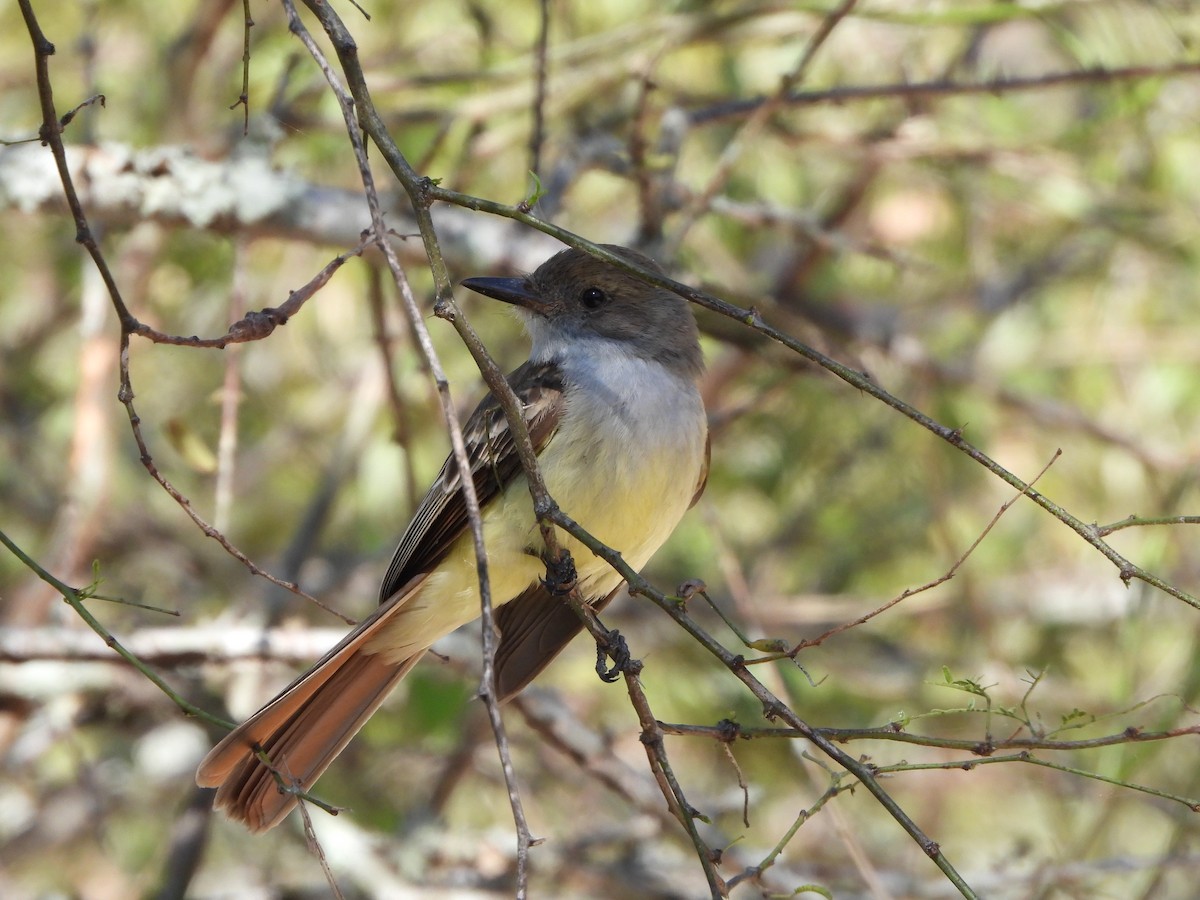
{"points": [[516, 291]]}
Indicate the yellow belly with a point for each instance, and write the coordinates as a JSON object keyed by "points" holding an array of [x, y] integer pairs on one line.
{"points": [[629, 488]]}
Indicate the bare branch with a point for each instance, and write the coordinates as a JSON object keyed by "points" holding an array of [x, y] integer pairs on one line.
{"points": [[946, 88]]}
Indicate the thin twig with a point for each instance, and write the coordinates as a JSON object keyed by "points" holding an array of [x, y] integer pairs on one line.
{"points": [[753, 127], [650, 206], [929, 585], [1133, 521], [892, 733], [1025, 757], [75, 599], [258, 324], [945, 88], [401, 430], [537, 134], [345, 48], [51, 134], [125, 395], [741, 780], [753, 873], [231, 397], [314, 846], [660, 767], [243, 99]]}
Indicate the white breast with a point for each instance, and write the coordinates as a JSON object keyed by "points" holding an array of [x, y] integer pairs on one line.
{"points": [[627, 457]]}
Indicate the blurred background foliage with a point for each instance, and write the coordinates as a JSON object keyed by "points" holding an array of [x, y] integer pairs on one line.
{"points": [[1018, 263]]}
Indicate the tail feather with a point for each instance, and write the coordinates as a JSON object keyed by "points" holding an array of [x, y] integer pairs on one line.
{"points": [[303, 729], [308, 741]]}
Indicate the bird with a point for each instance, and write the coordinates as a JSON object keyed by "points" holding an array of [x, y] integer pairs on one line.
{"points": [[610, 396]]}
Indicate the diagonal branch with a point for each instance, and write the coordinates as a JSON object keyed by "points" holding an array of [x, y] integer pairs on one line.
{"points": [[346, 49]]}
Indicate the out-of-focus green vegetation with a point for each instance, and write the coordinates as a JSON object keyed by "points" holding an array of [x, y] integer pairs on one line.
{"points": [[1017, 263]]}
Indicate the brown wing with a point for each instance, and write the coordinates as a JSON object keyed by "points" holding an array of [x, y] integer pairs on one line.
{"points": [[442, 515]]}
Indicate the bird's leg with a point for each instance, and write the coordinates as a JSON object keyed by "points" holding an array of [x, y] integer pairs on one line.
{"points": [[561, 577], [561, 580], [621, 657]]}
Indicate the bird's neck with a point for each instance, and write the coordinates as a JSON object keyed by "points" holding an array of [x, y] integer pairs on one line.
{"points": [[604, 360]]}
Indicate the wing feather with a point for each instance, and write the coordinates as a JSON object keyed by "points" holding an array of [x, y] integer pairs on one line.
{"points": [[492, 453]]}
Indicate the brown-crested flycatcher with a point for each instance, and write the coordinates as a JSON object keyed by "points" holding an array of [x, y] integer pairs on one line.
{"points": [[610, 400]]}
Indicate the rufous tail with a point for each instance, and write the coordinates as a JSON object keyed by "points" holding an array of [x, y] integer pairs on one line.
{"points": [[303, 729]]}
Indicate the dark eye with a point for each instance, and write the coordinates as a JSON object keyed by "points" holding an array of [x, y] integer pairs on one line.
{"points": [[593, 298]]}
